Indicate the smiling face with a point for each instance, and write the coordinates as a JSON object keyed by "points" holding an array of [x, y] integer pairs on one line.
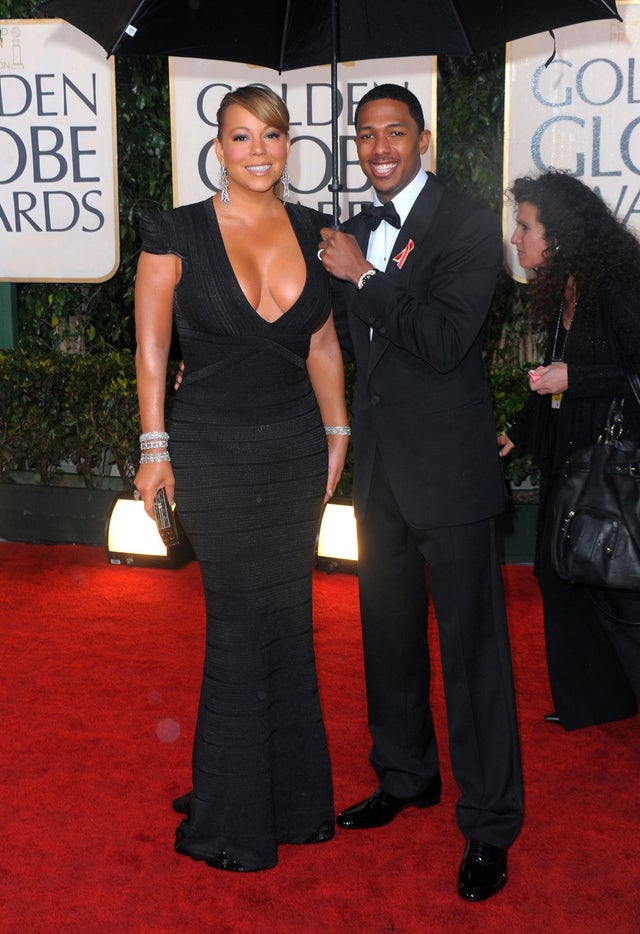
{"points": [[389, 145], [253, 153], [529, 237]]}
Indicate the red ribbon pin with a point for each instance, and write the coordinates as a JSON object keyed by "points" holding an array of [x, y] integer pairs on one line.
{"points": [[401, 258]]}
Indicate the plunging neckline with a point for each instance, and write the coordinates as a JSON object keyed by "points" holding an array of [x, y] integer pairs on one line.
{"points": [[236, 284]]}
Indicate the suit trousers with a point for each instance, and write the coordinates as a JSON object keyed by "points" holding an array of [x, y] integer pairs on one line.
{"points": [[465, 582]]}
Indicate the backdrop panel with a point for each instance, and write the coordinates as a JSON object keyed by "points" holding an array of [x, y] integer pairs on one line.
{"points": [[197, 86], [58, 155], [578, 113]]}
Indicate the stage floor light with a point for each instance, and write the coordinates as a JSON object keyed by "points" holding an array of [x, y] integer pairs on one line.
{"points": [[132, 538], [337, 545]]}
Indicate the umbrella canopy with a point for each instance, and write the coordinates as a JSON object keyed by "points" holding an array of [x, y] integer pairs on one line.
{"points": [[289, 34]]}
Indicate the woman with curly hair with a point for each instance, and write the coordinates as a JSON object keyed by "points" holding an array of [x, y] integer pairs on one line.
{"points": [[585, 287]]}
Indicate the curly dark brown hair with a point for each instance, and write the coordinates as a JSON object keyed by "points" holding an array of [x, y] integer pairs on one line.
{"points": [[584, 240]]}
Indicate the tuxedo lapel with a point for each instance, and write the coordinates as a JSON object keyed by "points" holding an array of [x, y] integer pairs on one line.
{"points": [[360, 231], [414, 229], [406, 248]]}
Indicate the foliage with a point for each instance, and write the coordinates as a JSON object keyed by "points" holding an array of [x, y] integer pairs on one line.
{"points": [[63, 408], [470, 115], [28, 388]]}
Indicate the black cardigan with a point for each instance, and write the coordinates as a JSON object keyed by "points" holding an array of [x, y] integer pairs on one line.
{"points": [[602, 347]]}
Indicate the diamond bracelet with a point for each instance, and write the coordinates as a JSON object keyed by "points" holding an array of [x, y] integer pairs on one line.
{"points": [[154, 458]]}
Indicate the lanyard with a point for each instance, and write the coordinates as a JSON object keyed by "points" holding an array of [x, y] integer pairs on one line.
{"points": [[558, 356]]}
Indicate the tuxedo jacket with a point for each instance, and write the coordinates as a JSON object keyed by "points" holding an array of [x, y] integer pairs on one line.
{"points": [[422, 399]]}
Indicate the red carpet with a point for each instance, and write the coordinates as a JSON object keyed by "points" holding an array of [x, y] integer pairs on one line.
{"points": [[98, 686]]}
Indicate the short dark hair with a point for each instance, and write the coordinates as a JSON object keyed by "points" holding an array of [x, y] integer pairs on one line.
{"points": [[394, 92]]}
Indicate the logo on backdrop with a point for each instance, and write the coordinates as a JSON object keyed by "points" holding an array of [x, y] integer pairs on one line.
{"points": [[58, 155], [579, 114], [197, 87]]}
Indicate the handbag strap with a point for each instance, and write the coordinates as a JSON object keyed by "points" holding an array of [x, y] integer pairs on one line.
{"points": [[615, 416], [615, 421], [610, 435], [634, 382]]}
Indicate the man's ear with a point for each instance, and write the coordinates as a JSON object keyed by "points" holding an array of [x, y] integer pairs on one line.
{"points": [[425, 139]]}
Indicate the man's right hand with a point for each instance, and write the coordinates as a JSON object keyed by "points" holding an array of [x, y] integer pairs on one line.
{"points": [[341, 255]]}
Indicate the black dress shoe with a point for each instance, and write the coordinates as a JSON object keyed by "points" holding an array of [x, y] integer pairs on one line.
{"points": [[380, 808], [551, 717], [483, 871]]}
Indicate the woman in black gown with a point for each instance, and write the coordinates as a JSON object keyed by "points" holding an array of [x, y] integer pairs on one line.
{"points": [[257, 443], [585, 288]]}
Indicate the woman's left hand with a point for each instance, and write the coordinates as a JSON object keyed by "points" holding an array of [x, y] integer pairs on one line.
{"points": [[337, 452], [505, 444], [548, 380]]}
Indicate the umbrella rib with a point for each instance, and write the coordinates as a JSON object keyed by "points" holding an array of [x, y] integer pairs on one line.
{"points": [[115, 45], [285, 34], [464, 32], [611, 10]]}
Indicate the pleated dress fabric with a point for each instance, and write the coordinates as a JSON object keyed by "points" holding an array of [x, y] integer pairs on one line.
{"points": [[249, 454]]}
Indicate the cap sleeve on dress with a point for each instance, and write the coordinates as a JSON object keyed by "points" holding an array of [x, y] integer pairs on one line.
{"points": [[154, 234]]}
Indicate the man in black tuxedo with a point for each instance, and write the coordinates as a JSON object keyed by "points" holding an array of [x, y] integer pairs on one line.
{"points": [[415, 286]]}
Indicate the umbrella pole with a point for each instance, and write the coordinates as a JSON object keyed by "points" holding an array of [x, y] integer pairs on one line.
{"points": [[335, 186]]}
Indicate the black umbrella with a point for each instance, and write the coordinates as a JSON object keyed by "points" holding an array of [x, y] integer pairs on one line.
{"points": [[288, 34]]}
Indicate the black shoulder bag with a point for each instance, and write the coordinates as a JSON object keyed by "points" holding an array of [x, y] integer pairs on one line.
{"points": [[596, 522]]}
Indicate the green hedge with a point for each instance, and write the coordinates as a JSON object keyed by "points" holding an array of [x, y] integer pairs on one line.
{"points": [[59, 408]]}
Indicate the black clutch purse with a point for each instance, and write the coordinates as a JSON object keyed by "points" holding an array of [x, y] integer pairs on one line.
{"points": [[165, 519]]}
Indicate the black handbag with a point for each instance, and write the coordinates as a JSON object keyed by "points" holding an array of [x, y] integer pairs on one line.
{"points": [[596, 522]]}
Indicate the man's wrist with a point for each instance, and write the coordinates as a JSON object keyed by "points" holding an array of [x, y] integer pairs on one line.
{"points": [[359, 270], [364, 278]]}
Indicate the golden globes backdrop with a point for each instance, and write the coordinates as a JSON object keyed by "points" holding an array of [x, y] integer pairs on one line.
{"points": [[197, 87], [58, 155], [581, 113]]}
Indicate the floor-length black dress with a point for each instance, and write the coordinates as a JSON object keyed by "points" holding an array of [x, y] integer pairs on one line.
{"points": [[249, 454], [593, 655]]}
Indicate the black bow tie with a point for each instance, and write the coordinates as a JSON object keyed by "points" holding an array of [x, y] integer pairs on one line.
{"points": [[372, 215]]}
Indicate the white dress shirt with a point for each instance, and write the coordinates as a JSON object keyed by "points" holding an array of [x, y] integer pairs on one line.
{"points": [[381, 239]]}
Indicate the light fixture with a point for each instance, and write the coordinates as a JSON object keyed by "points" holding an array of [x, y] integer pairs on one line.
{"points": [[337, 545], [132, 538]]}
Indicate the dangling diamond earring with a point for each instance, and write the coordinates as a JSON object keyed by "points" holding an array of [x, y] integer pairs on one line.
{"points": [[223, 184], [285, 179]]}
